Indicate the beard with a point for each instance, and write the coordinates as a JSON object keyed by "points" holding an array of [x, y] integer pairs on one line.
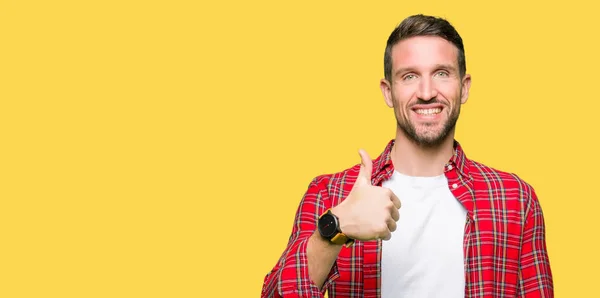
{"points": [[428, 136]]}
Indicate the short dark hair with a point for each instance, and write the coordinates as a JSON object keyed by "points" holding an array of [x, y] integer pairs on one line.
{"points": [[423, 25]]}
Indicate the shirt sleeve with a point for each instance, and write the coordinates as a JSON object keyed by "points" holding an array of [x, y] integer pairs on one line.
{"points": [[535, 275], [289, 277]]}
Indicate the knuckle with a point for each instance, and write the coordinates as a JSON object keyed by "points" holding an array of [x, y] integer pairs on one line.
{"points": [[383, 227], [388, 192], [389, 205]]}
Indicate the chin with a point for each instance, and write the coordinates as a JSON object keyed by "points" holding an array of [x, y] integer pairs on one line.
{"points": [[431, 138], [427, 135], [429, 142]]}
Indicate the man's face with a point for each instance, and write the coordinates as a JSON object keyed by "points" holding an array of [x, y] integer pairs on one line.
{"points": [[426, 89]]}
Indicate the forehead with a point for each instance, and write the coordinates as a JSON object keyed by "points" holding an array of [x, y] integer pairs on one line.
{"points": [[423, 51]]}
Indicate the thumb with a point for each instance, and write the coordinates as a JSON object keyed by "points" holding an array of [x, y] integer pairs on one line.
{"points": [[366, 166]]}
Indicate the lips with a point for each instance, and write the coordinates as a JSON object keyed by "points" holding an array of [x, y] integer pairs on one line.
{"points": [[430, 111]]}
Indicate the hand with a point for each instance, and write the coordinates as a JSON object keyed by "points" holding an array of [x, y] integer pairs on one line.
{"points": [[369, 212]]}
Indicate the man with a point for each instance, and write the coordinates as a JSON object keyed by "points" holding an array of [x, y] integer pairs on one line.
{"points": [[421, 220]]}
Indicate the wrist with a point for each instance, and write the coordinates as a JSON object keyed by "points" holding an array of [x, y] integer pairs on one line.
{"points": [[328, 226], [340, 214]]}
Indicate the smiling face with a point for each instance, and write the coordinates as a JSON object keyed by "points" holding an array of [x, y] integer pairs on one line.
{"points": [[426, 89]]}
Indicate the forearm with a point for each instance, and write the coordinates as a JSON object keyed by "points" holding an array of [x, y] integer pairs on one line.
{"points": [[535, 278], [321, 255]]}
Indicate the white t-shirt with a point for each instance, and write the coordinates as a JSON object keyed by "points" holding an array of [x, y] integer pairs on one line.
{"points": [[424, 258]]}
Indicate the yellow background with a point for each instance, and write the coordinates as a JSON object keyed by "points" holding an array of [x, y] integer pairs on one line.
{"points": [[160, 148]]}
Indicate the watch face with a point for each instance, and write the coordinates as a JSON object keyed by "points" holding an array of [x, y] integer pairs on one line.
{"points": [[327, 225]]}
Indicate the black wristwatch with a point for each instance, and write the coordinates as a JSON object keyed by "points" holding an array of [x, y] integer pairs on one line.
{"points": [[329, 228]]}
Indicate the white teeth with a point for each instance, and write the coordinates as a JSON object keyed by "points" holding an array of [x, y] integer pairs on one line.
{"points": [[428, 111]]}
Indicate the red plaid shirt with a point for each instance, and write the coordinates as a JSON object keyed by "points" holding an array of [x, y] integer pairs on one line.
{"points": [[504, 244]]}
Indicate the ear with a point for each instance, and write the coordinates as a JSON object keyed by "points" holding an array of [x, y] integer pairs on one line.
{"points": [[386, 90], [466, 85]]}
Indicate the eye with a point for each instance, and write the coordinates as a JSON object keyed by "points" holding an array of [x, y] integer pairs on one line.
{"points": [[408, 77], [443, 74]]}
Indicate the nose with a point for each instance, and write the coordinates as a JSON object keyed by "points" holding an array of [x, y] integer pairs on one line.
{"points": [[427, 90]]}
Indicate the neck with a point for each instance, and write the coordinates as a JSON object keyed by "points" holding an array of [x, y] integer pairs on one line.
{"points": [[412, 159]]}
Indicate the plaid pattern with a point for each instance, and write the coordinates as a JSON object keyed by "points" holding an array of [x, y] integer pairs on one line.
{"points": [[504, 245]]}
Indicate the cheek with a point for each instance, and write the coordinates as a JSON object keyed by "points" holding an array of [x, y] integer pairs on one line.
{"points": [[402, 97], [401, 108], [449, 91]]}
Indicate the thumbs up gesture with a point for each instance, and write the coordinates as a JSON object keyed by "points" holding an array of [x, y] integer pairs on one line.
{"points": [[369, 212]]}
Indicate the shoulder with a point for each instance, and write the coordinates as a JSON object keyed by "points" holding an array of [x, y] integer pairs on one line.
{"points": [[484, 172], [501, 183], [336, 182]]}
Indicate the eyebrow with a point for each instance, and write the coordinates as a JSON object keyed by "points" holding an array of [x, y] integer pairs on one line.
{"points": [[448, 67]]}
